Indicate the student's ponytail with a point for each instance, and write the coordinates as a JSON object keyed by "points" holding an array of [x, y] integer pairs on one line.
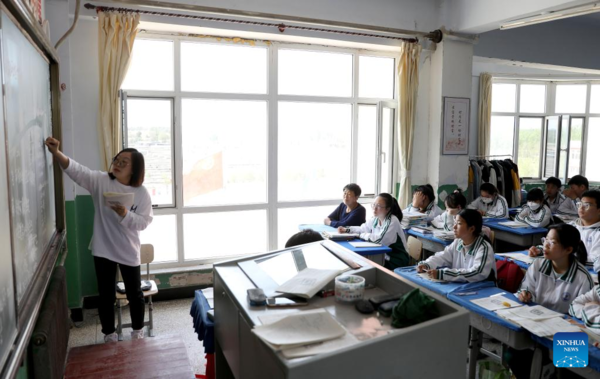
{"points": [[569, 236], [392, 204]]}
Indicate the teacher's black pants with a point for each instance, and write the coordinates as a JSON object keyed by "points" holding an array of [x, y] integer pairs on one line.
{"points": [[106, 275]]}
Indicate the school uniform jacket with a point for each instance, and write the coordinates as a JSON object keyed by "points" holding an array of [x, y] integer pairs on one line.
{"points": [[389, 233], [555, 204], [555, 293], [497, 208], [115, 238], [589, 314], [465, 263], [568, 208], [590, 235], [432, 210], [540, 218], [444, 221]]}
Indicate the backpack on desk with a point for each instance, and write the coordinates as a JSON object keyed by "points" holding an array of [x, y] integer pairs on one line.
{"points": [[510, 275]]}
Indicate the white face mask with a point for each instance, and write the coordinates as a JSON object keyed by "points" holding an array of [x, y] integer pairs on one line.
{"points": [[533, 205], [486, 200]]}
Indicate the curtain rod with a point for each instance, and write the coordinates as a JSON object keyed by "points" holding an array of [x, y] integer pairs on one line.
{"points": [[435, 36]]}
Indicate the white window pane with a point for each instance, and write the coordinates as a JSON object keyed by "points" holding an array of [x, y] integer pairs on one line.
{"points": [[532, 98], [575, 147], [205, 235], [314, 150], [151, 66], [530, 137], [288, 219], [562, 166], [162, 234], [314, 73], [224, 152], [367, 148], [149, 129], [223, 68], [570, 98], [376, 77], [504, 97], [595, 99], [551, 147], [387, 150], [502, 135], [592, 155]]}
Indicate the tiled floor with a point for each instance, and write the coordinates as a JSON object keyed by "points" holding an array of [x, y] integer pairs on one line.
{"points": [[171, 318]]}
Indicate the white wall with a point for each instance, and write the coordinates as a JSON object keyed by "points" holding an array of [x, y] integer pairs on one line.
{"points": [[570, 42]]}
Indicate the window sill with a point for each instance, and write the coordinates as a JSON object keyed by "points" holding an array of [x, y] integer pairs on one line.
{"points": [[178, 270]]}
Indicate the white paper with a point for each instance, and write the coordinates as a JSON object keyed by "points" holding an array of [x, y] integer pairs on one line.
{"points": [[518, 257], [308, 282], [116, 198], [425, 276], [300, 328], [514, 224], [496, 302], [444, 235], [321, 347], [364, 244], [413, 215], [548, 327], [536, 312]]}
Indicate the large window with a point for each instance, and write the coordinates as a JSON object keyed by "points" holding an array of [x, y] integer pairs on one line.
{"points": [[244, 142], [544, 126]]}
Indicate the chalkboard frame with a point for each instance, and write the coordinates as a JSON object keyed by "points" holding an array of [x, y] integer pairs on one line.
{"points": [[28, 308]]}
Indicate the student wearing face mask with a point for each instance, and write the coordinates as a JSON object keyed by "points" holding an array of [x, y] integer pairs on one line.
{"points": [[455, 202], [490, 203], [536, 212]]}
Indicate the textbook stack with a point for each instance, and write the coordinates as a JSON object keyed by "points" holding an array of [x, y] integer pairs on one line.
{"points": [[410, 219]]}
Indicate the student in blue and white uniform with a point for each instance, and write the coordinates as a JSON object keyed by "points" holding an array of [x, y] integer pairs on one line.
{"points": [[469, 258], [424, 202], [586, 307], [490, 203], [577, 186], [553, 196], [455, 202], [560, 277], [349, 212], [536, 212], [384, 228], [116, 238]]}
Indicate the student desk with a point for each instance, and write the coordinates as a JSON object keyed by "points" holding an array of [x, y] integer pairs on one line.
{"points": [[443, 289], [488, 322], [524, 237], [429, 241], [514, 211], [376, 254]]}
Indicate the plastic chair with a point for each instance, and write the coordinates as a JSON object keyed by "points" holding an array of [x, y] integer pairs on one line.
{"points": [[146, 257], [415, 249]]}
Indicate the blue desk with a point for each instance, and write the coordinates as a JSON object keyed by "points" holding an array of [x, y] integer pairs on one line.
{"points": [[429, 241], [523, 265], [371, 252], [523, 237], [204, 327], [443, 289], [514, 211]]}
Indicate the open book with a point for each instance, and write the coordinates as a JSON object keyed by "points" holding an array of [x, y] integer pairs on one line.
{"points": [[117, 198], [307, 282], [335, 236], [514, 224]]}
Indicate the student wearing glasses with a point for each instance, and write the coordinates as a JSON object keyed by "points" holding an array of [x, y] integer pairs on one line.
{"points": [[588, 225], [577, 186], [116, 238], [349, 212], [385, 229], [554, 282]]}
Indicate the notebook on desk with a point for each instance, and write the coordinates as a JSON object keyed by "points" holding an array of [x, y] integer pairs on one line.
{"points": [[514, 224]]}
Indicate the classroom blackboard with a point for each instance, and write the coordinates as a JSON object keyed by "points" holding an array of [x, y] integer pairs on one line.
{"points": [[31, 200]]}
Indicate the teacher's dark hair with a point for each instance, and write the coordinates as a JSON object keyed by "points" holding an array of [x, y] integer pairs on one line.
{"points": [[138, 167]]}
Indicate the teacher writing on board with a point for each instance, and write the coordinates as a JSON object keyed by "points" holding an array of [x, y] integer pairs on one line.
{"points": [[116, 238]]}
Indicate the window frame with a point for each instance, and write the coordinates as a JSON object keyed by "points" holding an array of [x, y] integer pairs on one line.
{"points": [[272, 204], [551, 89]]}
